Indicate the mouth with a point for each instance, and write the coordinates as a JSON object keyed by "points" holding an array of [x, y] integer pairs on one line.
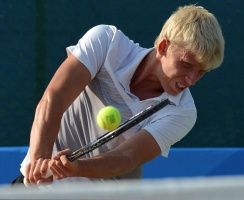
{"points": [[181, 86]]}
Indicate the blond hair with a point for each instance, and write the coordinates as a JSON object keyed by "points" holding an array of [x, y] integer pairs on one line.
{"points": [[198, 31]]}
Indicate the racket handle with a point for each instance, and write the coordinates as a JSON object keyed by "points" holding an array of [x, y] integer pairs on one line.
{"points": [[48, 174]]}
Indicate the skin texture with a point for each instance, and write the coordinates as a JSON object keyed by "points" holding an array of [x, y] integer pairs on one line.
{"points": [[164, 69]]}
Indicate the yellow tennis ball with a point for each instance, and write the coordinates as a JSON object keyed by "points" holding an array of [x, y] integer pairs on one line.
{"points": [[108, 118]]}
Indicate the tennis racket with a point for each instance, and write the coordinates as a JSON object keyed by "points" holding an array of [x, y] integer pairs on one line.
{"points": [[118, 131]]}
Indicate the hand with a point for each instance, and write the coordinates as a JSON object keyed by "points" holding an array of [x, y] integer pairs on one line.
{"points": [[34, 171], [61, 167]]}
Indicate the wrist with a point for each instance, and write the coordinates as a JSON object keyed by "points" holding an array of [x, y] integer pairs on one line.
{"points": [[78, 168]]}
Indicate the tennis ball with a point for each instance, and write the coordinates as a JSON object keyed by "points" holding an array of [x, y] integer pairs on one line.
{"points": [[108, 118]]}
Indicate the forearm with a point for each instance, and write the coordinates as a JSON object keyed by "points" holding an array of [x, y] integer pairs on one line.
{"points": [[45, 126], [105, 165], [121, 160]]}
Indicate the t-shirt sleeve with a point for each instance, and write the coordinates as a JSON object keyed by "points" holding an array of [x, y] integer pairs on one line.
{"points": [[92, 48], [171, 128]]}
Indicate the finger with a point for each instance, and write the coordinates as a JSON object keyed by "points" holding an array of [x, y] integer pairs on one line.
{"points": [[54, 169], [44, 167], [63, 152], [66, 151], [36, 172], [64, 166], [27, 170], [59, 170], [72, 167], [68, 166], [46, 181], [31, 171]]}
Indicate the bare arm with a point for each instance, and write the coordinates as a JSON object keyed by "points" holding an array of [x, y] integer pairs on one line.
{"points": [[135, 151], [67, 83]]}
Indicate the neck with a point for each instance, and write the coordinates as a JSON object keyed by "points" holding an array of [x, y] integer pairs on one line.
{"points": [[144, 83]]}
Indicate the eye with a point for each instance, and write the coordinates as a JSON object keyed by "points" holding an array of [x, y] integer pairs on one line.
{"points": [[187, 64]]}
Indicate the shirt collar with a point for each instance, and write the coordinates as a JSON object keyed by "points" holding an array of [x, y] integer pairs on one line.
{"points": [[175, 99]]}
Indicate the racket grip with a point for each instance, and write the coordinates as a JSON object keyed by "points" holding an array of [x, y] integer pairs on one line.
{"points": [[48, 174]]}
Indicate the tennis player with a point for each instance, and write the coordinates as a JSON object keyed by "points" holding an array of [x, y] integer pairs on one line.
{"points": [[104, 68]]}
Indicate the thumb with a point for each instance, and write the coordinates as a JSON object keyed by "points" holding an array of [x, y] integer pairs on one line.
{"points": [[65, 152], [61, 153]]}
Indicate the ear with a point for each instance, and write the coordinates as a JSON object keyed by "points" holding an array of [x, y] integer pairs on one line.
{"points": [[163, 46]]}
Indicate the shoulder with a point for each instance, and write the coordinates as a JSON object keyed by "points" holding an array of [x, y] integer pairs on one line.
{"points": [[100, 32], [187, 102], [110, 29], [108, 35], [104, 30]]}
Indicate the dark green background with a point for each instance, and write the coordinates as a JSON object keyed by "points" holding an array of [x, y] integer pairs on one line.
{"points": [[34, 35]]}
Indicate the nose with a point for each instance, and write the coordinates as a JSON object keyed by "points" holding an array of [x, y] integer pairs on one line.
{"points": [[191, 78]]}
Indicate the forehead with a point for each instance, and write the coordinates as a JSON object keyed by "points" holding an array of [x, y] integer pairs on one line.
{"points": [[188, 56], [185, 54]]}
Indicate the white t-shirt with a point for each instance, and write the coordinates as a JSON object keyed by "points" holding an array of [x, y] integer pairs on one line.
{"points": [[115, 60], [112, 59]]}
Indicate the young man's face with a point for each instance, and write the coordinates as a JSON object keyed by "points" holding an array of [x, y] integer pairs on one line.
{"points": [[179, 69]]}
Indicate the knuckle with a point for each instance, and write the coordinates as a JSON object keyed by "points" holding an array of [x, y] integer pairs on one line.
{"points": [[35, 174], [66, 164], [32, 180]]}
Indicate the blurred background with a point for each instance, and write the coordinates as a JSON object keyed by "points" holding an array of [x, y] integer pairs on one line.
{"points": [[35, 33]]}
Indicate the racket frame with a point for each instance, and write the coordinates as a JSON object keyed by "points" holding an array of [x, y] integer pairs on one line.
{"points": [[121, 129]]}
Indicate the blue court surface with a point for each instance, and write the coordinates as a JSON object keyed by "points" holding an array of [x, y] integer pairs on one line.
{"points": [[181, 162]]}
